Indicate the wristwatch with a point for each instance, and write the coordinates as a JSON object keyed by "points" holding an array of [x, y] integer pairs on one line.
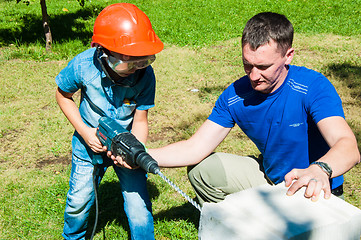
{"points": [[325, 167]]}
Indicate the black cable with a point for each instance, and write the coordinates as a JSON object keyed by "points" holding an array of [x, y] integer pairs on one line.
{"points": [[95, 185]]}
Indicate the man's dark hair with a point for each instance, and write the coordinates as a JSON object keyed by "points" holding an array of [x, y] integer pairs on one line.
{"points": [[263, 27]]}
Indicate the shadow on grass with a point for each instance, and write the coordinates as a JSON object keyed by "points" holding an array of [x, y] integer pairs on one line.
{"points": [[111, 209], [212, 92], [185, 212], [64, 27], [350, 74]]}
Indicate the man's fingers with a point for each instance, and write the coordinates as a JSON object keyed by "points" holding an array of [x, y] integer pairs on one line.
{"points": [[292, 175], [119, 161], [126, 165], [109, 155], [317, 191], [294, 187], [313, 189], [327, 190]]}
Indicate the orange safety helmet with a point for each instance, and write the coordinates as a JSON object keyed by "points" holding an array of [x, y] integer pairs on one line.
{"points": [[125, 29]]}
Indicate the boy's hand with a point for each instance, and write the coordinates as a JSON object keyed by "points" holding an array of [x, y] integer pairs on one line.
{"points": [[93, 141]]}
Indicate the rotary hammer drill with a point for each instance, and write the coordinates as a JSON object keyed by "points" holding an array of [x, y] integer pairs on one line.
{"points": [[122, 143]]}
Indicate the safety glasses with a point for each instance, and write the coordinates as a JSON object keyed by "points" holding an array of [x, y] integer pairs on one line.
{"points": [[131, 64], [122, 66]]}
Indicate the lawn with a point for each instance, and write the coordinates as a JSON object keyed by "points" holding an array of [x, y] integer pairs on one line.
{"points": [[202, 51]]}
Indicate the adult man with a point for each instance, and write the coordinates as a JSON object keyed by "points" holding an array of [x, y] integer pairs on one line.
{"points": [[116, 80], [291, 113]]}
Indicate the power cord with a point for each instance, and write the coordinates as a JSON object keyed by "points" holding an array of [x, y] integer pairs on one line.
{"points": [[95, 185]]}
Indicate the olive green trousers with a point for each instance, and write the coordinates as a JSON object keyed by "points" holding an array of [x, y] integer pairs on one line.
{"points": [[221, 174]]}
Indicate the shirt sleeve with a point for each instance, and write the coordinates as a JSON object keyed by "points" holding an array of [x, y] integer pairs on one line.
{"points": [[221, 113], [145, 99], [323, 100], [68, 79]]}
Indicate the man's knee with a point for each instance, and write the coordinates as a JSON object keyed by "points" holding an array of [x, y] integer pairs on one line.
{"points": [[221, 174], [209, 171], [208, 179]]}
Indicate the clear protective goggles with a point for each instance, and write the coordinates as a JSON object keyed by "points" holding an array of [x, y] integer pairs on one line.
{"points": [[122, 66]]}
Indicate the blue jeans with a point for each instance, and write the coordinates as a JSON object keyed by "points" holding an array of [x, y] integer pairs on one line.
{"points": [[80, 199]]}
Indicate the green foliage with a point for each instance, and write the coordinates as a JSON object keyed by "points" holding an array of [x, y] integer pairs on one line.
{"points": [[182, 23], [81, 2], [27, 2]]}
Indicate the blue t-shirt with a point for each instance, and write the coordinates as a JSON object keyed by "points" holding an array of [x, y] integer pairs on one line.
{"points": [[282, 124], [84, 72]]}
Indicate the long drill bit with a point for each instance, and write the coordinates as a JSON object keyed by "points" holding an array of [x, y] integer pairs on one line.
{"points": [[196, 205]]}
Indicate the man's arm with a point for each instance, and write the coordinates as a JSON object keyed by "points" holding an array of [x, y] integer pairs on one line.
{"points": [[341, 157], [193, 150]]}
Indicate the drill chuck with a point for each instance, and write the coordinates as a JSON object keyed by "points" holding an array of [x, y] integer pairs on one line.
{"points": [[145, 161]]}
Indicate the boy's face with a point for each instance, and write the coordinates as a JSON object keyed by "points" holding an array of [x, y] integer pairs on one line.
{"points": [[125, 65], [265, 66]]}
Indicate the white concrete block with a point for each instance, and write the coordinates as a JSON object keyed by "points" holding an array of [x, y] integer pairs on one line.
{"points": [[267, 213]]}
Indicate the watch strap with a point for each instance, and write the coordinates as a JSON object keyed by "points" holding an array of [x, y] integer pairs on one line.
{"points": [[325, 167]]}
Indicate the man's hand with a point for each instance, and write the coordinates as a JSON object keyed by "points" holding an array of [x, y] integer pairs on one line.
{"points": [[119, 161], [313, 178]]}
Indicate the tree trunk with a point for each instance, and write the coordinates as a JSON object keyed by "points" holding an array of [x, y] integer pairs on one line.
{"points": [[46, 26]]}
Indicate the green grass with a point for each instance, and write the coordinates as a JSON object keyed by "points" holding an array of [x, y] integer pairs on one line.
{"points": [[183, 23], [202, 52]]}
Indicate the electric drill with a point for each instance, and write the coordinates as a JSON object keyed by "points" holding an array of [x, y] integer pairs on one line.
{"points": [[122, 143]]}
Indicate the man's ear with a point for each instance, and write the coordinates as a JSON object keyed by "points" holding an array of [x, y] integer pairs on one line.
{"points": [[289, 56]]}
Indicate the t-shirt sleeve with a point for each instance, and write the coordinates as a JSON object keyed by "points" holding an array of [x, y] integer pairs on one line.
{"points": [[221, 113], [145, 100], [68, 79], [323, 100]]}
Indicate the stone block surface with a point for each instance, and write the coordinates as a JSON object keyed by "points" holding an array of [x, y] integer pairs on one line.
{"points": [[267, 213]]}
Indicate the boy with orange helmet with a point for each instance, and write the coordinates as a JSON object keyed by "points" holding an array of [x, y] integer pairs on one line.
{"points": [[114, 75]]}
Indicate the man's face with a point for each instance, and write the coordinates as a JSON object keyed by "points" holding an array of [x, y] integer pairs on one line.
{"points": [[266, 67]]}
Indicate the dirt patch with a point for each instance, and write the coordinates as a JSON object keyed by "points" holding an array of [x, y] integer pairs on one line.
{"points": [[11, 133], [61, 160], [8, 137], [164, 134]]}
